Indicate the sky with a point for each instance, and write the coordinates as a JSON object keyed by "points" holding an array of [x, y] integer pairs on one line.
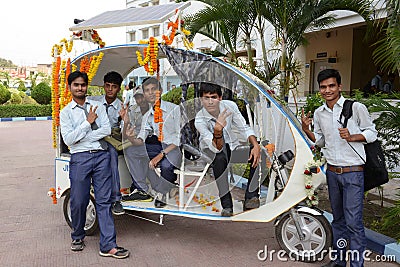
{"points": [[30, 28]]}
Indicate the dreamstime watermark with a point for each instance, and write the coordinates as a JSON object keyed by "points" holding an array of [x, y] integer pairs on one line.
{"points": [[334, 255]]}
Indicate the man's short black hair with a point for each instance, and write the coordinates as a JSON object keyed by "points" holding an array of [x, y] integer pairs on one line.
{"points": [[131, 84], [329, 73], [78, 74], [210, 88], [151, 80], [113, 77]]}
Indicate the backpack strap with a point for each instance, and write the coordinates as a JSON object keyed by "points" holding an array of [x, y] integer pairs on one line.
{"points": [[347, 111]]}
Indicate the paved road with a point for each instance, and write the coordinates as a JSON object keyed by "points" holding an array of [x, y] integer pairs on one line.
{"points": [[33, 231]]}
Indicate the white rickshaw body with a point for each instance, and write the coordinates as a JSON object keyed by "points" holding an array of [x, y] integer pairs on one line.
{"points": [[272, 121]]}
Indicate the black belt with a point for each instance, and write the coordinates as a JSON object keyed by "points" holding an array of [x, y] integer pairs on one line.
{"points": [[95, 150], [340, 170]]}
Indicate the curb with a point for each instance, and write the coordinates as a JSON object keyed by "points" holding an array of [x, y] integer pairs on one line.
{"points": [[377, 242], [48, 118]]}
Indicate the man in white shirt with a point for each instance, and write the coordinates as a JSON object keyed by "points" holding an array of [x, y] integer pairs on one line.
{"points": [[215, 122], [162, 143], [84, 123], [136, 155], [344, 174]]}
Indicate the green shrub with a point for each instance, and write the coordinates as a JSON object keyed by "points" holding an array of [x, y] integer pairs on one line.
{"points": [[95, 90], [15, 99], [313, 102], [42, 93], [21, 87], [9, 111], [5, 94], [27, 100], [175, 95]]}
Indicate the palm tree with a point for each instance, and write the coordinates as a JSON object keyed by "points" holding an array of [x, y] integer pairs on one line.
{"points": [[387, 53], [223, 21], [291, 18]]}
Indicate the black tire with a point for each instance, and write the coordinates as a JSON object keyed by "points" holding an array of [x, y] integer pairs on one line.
{"points": [[310, 249], [92, 223]]}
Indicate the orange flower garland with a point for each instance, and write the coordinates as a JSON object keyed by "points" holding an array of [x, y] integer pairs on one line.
{"points": [[150, 54], [158, 116], [174, 26], [55, 99], [85, 64], [65, 93], [94, 36]]}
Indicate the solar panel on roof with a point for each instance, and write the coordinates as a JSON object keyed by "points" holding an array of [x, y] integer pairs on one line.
{"points": [[130, 17]]}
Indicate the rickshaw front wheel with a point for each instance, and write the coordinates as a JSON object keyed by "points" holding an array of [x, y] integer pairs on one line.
{"points": [[317, 233], [91, 224]]}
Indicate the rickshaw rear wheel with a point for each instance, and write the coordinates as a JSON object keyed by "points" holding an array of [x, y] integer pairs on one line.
{"points": [[91, 224], [317, 233]]}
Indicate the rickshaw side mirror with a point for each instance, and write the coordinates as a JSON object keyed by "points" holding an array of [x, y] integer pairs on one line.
{"points": [[286, 157]]}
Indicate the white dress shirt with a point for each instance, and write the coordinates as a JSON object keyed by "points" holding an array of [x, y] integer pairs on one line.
{"points": [[335, 149], [205, 123], [76, 130], [113, 109], [171, 124]]}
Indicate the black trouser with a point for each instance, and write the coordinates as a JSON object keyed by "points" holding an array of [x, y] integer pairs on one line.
{"points": [[220, 170]]}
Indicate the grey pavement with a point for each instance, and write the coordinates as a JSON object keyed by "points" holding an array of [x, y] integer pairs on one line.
{"points": [[33, 231]]}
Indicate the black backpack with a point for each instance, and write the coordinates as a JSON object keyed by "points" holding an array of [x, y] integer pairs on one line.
{"points": [[375, 171]]}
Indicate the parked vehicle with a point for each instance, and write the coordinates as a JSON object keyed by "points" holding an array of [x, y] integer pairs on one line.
{"points": [[301, 230]]}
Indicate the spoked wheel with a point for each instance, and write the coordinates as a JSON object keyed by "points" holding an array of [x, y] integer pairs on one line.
{"points": [[92, 223], [317, 236]]}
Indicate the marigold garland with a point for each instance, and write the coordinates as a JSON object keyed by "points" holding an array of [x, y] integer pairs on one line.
{"points": [[61, 69], [94, 37], [57, 49], [158, 116], [55, 99], [150, 55], [174, 30], [94, 65]]}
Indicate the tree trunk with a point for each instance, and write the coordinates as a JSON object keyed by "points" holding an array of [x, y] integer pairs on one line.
{"points": [[265, 57], [249, 53], [283, 88]]}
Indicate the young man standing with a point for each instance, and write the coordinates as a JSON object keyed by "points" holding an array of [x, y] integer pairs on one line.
{"points": [[215, 122], [112, 86], [344, 174], [84, 124]]}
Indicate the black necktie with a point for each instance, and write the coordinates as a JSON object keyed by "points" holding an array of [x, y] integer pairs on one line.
{"points": [[94, 126]]}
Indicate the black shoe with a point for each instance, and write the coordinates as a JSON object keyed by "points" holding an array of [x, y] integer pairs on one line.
{"points": [[332, 264], [120, 253], [251, 203], [138, 196], [227, 212], [161, 201], [77, 245], [117, 208]]}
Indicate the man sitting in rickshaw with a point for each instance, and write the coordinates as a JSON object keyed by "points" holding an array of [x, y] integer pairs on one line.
{"points": [[136, 155], [160, 131], [215, 122]]}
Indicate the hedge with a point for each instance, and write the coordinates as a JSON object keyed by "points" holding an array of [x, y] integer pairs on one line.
{"points": [[10, 111]]}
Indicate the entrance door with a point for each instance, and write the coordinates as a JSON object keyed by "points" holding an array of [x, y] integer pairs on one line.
{"points": [[317, 67]]}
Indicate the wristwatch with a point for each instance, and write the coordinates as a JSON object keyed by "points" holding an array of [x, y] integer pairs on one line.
{"points": [[163, 153]]}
